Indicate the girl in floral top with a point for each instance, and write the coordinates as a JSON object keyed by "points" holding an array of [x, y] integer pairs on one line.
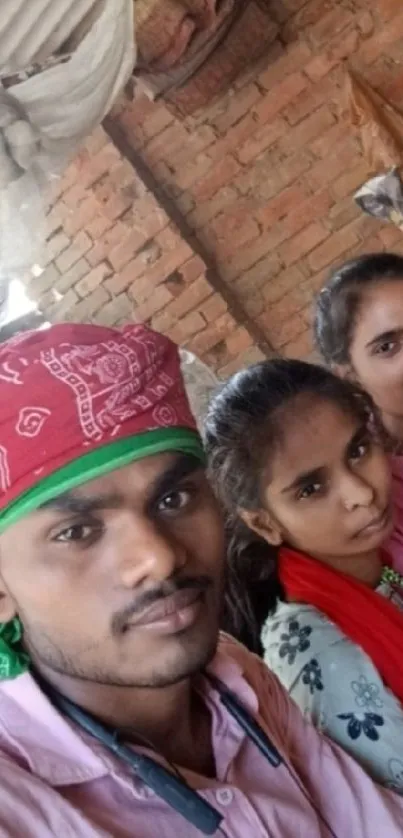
{"points": [[359, 333], [307, 487]]}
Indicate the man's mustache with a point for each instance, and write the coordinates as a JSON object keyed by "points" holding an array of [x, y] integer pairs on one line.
{"points": [[150, 597]]}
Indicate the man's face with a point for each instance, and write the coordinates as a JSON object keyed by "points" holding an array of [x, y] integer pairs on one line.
{"points": [[119, 581]]}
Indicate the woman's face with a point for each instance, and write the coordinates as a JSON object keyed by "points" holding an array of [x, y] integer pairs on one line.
{"points": [[327, 487], [376, 350]]}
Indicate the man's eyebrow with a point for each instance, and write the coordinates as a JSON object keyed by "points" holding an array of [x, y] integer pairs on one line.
{"points": [[383, 337], [76, 505], [183, 465]]}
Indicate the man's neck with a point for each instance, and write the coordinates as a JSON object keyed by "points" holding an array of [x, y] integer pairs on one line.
{"points": [[173, 719]]}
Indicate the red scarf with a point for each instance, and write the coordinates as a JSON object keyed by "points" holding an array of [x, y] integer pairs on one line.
{"points": [[362, 614]]}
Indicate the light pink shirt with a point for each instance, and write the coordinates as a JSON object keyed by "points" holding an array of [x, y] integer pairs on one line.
{"points": [[395, 544], [56, 782]]}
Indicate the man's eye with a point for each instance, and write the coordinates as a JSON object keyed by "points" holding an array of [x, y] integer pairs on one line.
{"points": [[77, 534], [308, 491], [175, 501]]}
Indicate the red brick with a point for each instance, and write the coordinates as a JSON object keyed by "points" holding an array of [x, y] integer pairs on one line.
{"points": [[114, 310], [295, 58], [206, 210], [156, 122], [238, 341], [261, 140], [73, 275], [82, 216], [336, 50], [197, 142], [278, 207], [148, 256], [98, 165], [309, 128], [191, 297], [221, 174], [336, 135], [237, 226], [171, 140], [213, 334], [382, 38], [324, 92], [390, 236], [160, 298], [93, 279], [250, 356], [315, 207], [101, 249], [120, 255], [64, 308], [47, 280], [292, 303], [74, 196], [193, 171], [161, 269], [98, 226], [332, 249], [283, 283], [236, 108], [213, 308], [280, 96], [303, 243], [351, 180], [342, 213], [301, 347], [97, 141], [193, 269], [162, 322], [342, 157], [87, 308], [388, 8], [55, 246], [190, 325], [78, 248], [281, 334], [337, 20]]}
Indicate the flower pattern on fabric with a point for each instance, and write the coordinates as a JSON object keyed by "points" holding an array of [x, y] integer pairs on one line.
{"points": [[312, 676], [295, 641], [367, 694], [366, 723]]}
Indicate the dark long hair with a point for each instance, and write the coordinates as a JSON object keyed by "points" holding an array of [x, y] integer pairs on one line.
{"points": [[338, 303], [246, 421]]}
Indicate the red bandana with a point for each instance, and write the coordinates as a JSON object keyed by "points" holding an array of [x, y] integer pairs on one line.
{"points": [[70, 389]]}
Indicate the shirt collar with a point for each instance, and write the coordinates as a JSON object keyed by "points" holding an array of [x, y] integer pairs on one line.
{"points": [[57, 752]]}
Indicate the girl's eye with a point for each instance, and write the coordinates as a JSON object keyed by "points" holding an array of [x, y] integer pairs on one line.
{"points": [[77, 534], [175, 501], [388, 347], [308, 491], [359, 451]]}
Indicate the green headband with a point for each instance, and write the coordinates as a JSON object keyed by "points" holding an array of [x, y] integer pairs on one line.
{"points": [[13, 660], [99, 462]]}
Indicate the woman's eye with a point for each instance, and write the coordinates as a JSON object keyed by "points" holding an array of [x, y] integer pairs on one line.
{"points": [[359, 451], [388, 347], [308, 491], [77, 534], [175, 501]]}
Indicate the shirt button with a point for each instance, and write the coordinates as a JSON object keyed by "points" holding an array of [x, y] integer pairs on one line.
{"points": [[224, 797]]}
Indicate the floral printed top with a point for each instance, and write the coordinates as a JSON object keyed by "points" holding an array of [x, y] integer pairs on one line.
{"points": [[336, 684]]}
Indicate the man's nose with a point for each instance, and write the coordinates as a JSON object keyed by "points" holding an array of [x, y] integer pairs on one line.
{"points": [[147, 551], [356, 491]]}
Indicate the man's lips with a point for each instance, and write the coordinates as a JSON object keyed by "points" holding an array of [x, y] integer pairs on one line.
{"points": [[167, 607]]}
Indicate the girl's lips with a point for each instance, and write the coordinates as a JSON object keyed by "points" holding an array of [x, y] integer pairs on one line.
{"points": [[377, 524]]}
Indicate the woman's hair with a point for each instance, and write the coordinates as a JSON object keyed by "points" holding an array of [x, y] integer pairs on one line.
{"points": [[338, 303], [246, 422]]}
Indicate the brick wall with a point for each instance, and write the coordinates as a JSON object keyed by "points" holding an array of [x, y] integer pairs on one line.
{"points": [[113, 256], [265, 175]]}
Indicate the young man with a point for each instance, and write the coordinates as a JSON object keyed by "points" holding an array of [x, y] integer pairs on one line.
{"points": [[111, 574]]}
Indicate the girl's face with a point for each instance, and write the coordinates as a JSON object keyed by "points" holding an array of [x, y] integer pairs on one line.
{"points": [[376, 350], [327, 489]]}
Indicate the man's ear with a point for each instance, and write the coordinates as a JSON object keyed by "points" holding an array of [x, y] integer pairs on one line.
{"points": [[263, 524], [8, 608]]}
